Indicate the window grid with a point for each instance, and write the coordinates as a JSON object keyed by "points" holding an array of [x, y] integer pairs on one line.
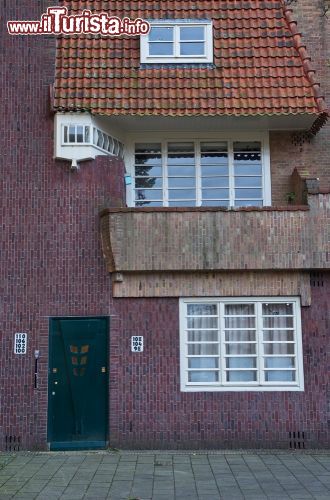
{"points": [[260, 355], [85, 135], [200, 200], [179, 52]]}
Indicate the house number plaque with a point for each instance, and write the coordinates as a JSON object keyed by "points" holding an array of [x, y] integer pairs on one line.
{"points": [[20, 343], [137, 344]]}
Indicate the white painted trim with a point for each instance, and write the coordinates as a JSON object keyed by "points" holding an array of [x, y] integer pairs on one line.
{"points": [[177, 58], [222, 386]]}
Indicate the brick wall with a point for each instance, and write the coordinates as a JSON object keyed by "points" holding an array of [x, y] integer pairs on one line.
{"points": [[202, 239], [148, 410], [310, 158], [51, 259]]}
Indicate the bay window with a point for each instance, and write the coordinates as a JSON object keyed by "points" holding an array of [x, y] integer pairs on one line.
{"points": [[240, 344]]}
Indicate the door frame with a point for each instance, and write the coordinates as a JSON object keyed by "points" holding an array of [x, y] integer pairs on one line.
{"points": [[79, 445]]}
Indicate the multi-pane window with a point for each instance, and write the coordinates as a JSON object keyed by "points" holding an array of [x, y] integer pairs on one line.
{"points": [[235, 344], [198, 173], [86, 135], [178, 42]]}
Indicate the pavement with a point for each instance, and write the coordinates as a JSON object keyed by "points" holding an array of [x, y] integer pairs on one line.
{"points": [[166, 475]]}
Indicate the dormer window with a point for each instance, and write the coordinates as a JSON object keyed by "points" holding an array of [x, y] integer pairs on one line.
{"points": [[174, 42]]}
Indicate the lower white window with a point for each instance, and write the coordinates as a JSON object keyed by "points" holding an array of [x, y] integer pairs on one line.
{"points": [[241, 344]]}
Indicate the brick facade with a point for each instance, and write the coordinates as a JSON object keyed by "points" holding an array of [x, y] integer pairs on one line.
{"points": [[52, 265], [145, 388]]}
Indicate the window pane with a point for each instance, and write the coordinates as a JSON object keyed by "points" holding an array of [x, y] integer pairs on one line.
{"points": [[248, 181], [241, 362], [158, 34], [215, 182], [148, 171], [65, 134], [276, 362], [248, 203], [148, 160], [181, 159], [214, 147], [149, 194], [192, 49], [239, 309], [280, 376], [215, 194], [241, 376], [185, 203], [240, 335], [161, 49], [215, 159], [275, 335], [279, 349], [177, 170], [149, 203], [215, 203], [278, 322], [277, 309], [206, 349], [143, 147], [201, 323], [203, 363], [248, 193], [192, 33], [179, 194], [80, 133], [246, 169], [241, 348], [240, 322], [181, 182], [72, 134], [203, 336], [213, 170], [149, 182], [182, 147], [247, 146], [208, 376], [87, 134], [202, 309]]}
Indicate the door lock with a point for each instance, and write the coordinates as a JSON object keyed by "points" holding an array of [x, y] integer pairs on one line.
{"points": [[103, 369]]}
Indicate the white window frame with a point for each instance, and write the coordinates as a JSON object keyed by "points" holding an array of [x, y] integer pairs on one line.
{"points": [[261, 385], [177, 58], [150, 137]]}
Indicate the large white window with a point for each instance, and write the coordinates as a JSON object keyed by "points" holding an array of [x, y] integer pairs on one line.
{"points": [[178, 42], [241, 344], [200, 173]]}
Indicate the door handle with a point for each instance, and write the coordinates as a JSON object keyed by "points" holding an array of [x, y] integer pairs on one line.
{"points": [[103, 369]]}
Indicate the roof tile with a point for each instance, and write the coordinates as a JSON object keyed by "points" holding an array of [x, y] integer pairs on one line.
{"points": [[260, 65]]}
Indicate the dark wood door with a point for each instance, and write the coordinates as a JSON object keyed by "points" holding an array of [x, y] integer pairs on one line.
{"points": [[77, 386]]}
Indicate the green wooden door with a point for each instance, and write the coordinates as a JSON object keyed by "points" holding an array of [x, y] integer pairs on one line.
{"points": [[77, 385]]}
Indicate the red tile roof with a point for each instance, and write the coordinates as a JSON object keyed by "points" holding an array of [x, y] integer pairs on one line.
{"points": [[260, 64]]}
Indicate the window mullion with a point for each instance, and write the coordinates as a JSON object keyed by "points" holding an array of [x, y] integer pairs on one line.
{"points": [[231, 173], [260, 351], [198, 173], [176, 41], [165, 174], [222, 361]]}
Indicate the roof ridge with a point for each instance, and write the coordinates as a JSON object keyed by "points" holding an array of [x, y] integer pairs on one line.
{"points": [[306, 60]]}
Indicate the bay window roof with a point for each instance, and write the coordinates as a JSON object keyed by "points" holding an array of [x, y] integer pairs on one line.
{"points": [[260, 65]]}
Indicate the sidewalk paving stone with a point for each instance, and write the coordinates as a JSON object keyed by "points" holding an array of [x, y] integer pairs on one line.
{"points": [[155, 475]]}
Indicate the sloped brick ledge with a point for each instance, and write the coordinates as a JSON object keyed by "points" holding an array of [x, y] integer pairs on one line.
{"points": [[203, 240]]}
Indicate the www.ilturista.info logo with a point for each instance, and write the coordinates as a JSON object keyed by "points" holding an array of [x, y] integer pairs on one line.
{"points": [[57, 21]]}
